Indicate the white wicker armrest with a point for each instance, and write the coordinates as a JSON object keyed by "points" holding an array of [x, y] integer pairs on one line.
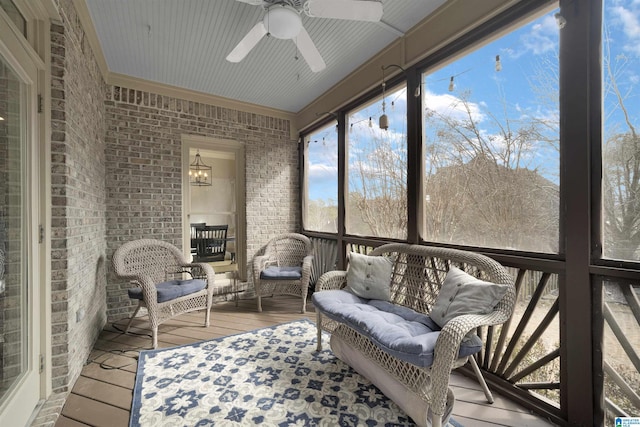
{"points": [[307, 261], [208, 271], [203, 265], [149, 291], [306, 268], [260, 261], [332, 280], [447, 347]]}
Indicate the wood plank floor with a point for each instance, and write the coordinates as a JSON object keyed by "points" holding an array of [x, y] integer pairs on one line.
{"points": [[102, 394]]}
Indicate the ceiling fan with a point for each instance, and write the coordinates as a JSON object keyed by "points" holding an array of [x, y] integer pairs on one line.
{"points": [[282, 20]]}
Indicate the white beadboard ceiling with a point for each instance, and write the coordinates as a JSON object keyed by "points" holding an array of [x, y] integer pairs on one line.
{"points": [[184, 43]]}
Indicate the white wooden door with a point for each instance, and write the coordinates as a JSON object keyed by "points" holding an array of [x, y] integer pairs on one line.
{"points": [[19, 255]]}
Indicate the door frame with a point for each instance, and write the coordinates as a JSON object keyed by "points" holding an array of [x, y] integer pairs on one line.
{"points": [[29, 58], [190, 142]]}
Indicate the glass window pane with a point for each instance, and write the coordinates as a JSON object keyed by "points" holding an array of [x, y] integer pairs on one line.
{"points": [[491, 143], [377, 169], [620, 138], [13, 280], [14, 14], [321, 180]]}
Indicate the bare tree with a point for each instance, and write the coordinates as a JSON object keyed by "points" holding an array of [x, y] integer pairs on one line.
{"points": [[621, 195], [480, 189], [322, 215], [621, 166], [378, 186]]}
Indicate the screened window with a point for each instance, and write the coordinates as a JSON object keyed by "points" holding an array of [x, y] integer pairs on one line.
{"points": [[377, 168], [321, 180], [620, 138], [491, 143], [621, 203]]}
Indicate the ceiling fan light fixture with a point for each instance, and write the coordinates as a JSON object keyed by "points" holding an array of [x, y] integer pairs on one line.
{"points": [[282, 22]]}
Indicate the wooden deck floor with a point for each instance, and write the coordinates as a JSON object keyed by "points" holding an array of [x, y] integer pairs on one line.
{"points": [[102, 394]]}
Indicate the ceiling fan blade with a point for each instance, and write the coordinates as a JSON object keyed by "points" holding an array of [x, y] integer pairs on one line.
{"points": [[247, 43], [309, 51], [253, 2], [345, 9]]}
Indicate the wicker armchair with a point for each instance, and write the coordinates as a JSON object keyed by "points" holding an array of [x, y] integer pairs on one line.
{"points": [[162, 276], [284, 268]]}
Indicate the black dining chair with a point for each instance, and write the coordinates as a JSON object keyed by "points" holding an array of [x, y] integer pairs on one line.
{"points": [[194, 239], [211, 243]]}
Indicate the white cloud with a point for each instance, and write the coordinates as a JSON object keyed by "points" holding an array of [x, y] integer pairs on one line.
{"points": [[542, 38], [630, 21], [451, 106], [321, 172]]}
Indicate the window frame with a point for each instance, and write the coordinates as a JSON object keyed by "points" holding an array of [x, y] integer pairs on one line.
{"points": [[391, 86], [304, 158]]}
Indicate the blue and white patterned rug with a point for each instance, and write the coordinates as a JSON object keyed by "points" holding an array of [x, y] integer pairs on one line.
{"points": [[270, 377]]}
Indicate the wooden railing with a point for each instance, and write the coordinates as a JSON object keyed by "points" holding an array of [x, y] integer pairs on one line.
{"points": [[325, 255], [622, 349]]}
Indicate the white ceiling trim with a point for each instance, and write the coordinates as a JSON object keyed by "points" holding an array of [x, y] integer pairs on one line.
{"points": [[130, 82], [92, 36]]}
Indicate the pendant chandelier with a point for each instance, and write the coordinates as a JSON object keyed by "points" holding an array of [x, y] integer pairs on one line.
{"points": [[199, 173]]}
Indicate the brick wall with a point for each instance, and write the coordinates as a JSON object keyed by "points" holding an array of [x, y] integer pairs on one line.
{"points": [[78, 225], [144, 172], [116, 176]]}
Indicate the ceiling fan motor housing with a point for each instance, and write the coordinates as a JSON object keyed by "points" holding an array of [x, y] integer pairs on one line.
{"points": [[282, 22]]}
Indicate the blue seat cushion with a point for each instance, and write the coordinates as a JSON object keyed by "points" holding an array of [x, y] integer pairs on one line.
{"points": [[172, 289], [397, 330], [281, 273]]}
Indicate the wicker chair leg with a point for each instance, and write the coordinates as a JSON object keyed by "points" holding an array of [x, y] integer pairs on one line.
{"points": [[207, 317], [483, 383], [319, 327], [304, 293], [259, 304], [155, 337], [133, 316]]}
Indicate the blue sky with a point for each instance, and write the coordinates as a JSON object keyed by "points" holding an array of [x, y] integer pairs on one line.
{"points": [[528, 57]]}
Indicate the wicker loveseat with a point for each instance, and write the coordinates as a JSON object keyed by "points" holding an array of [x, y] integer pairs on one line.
{"points": [[394, 341]]}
